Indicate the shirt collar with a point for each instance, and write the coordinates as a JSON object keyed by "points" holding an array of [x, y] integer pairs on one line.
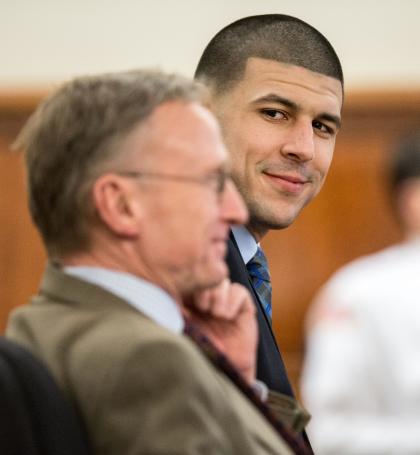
{"points": [[147, 298], [247, 245]]}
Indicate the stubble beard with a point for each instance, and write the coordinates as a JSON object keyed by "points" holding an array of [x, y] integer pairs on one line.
{"points": [[264, 216]]}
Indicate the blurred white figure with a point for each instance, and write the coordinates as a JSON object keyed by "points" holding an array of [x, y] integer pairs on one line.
{"points": [[361, 379]]}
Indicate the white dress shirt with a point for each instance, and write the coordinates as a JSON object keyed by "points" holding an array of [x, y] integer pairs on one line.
{"points": [[246, 243]]}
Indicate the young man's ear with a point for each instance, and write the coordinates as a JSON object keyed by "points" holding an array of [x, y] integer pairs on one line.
{"points": [[116, 205]]}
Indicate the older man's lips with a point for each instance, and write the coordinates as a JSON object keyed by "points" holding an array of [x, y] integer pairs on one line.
{"points": [[290, 183]]}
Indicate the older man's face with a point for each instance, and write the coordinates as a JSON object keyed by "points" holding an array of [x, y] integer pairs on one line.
{"points": [[187, 217]]}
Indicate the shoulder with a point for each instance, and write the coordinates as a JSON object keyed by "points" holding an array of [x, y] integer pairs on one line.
{"points": [[363, 289], [367, 276]]}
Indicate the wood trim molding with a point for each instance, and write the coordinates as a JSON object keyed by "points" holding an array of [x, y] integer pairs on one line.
{"points": [[381, 100], [21, 101]]}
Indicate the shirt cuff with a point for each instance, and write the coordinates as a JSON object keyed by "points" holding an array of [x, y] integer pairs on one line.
{"points": [[260, 389]]}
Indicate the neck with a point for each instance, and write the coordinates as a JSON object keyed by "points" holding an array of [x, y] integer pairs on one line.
{"points": [[94, 258], [256, 231]]}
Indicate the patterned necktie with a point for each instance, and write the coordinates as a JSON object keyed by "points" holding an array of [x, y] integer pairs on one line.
{"points": [[260, 276]]}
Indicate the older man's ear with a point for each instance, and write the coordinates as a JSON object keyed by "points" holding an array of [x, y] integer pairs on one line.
{"points": [[117, 205]]}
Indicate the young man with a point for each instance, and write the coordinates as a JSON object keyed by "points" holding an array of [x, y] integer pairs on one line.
{"points": [[277, 89]]}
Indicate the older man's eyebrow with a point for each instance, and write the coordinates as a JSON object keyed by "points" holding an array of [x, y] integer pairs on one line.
{"points": [[274, 98]]}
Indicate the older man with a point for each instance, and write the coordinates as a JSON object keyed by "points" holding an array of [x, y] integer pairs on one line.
{"points": [[129, 189]]}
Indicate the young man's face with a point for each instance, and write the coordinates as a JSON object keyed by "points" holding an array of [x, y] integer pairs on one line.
{"points": [[279, 123]]}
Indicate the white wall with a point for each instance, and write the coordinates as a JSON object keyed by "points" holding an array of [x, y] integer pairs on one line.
{"points": [[45, 41]]}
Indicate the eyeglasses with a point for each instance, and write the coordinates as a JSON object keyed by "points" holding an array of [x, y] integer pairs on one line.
{"points": [[216, 180]]}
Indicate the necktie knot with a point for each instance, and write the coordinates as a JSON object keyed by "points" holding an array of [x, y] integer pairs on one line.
{"points": [[260, 277], [258, 266]]}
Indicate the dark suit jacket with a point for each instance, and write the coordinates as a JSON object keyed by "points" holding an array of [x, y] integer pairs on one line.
{"points": [[270, 368]]}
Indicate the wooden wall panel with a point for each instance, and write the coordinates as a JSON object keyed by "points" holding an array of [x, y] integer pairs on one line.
{"points": [[350, 217], [21, 254]]}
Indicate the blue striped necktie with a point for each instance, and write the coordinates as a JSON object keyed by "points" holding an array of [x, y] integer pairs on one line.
{"points": [[260, 277]]}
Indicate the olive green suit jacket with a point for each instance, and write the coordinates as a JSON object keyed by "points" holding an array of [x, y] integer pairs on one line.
{"points": [[139, 388]]}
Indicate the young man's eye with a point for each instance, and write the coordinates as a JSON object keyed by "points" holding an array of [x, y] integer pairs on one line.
{"points": [[322, 127], [274, 114]]}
